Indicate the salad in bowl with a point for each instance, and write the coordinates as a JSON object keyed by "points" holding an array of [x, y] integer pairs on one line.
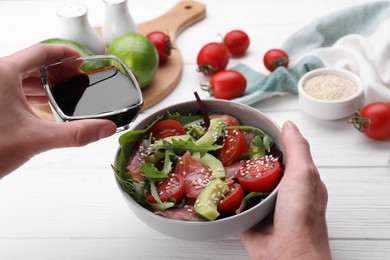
{"points": [[197, 168]]}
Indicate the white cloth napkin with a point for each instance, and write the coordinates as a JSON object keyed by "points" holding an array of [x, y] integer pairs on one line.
{"points": [[356, 39]]}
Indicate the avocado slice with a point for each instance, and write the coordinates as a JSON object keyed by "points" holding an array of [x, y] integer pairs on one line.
{"points": [[209, 197], [213, 163], [215, 131]]}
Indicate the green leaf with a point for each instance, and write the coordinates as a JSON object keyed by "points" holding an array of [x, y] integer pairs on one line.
{"points": [[162, 206], [248, 198], [151, 172], [185, 120], [181, 146], [154, 193], [128, 140], [267, 141], [131, 187], [257, 147], [167, 162]]}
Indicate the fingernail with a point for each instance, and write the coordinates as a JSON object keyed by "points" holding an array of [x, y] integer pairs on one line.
{"points": [[289, 124], [107, 130]]}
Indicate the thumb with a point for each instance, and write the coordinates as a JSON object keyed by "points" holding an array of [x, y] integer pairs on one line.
{"points": [[297, 150], [76, 133]]}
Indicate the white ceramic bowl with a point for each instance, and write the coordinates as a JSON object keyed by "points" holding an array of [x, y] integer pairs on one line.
{"points": [[220, 228], [330, 109]]}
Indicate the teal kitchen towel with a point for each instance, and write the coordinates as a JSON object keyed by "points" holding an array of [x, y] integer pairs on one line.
{"points": [[356, 39]]}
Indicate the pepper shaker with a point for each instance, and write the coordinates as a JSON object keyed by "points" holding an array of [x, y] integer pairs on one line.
{"points": [[74, 25], [118, 20]]}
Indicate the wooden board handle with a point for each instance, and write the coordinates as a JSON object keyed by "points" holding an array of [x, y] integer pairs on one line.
{"points": [[173, 22]]}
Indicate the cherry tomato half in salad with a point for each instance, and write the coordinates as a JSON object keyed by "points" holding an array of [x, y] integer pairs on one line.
{"points": [[171, 187], [275, 58], [212, 58], [237, 42], [234, 145], [166, 128], [232, 201], [228, 120], [260, 174]]}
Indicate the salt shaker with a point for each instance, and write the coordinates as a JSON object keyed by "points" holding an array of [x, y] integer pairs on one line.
{"points": [[74, 25], [118, 20]]}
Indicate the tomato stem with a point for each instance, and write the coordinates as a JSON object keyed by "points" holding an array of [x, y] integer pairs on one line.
{"points": [[207, 70], [359, 122], [207, 87]]}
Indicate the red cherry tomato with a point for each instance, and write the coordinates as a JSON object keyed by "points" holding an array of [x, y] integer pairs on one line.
{"points": [[163, 44], [228, 120], [166, 128], [232, 201], [237, 42], [275, 58], [234, 145], [227, 84], [212, 58], [373, 120], [260, 174], [171, 187]]}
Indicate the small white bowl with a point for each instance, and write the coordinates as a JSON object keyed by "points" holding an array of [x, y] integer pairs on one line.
{"points": [[220, 228], [330, 109]]}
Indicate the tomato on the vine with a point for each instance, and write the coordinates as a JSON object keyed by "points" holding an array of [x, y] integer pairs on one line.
{"points": [[373, 120], [232, 200], [227, 84], [212, 58], [163, 44], [237, 42], [171, 187], [275, 58], [166, 128], [234, 145], [260, 174]]}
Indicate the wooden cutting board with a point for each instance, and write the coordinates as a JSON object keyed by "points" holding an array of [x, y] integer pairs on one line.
{"points": [[177, 19]]}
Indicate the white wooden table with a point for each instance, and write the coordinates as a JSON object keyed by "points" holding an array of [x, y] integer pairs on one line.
{"points": [[64, 204]]}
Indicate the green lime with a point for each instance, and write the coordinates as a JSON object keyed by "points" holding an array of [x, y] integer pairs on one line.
{"points": [[139, 54], [84, 51]]}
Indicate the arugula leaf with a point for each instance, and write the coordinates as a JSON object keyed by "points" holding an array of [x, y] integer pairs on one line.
{"points": [[248, 198], [131, 187], [181, 146], [185, 120], [154, 192], [129, 139], [151, 172], [267, 141], [257, 146], [167, 162]]}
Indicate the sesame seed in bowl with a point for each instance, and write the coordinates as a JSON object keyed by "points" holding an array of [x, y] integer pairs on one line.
{"points": [[197, 212], [330, 93]]}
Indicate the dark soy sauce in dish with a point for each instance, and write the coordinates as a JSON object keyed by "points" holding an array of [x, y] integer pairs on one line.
{"points": [[98, 92]]}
